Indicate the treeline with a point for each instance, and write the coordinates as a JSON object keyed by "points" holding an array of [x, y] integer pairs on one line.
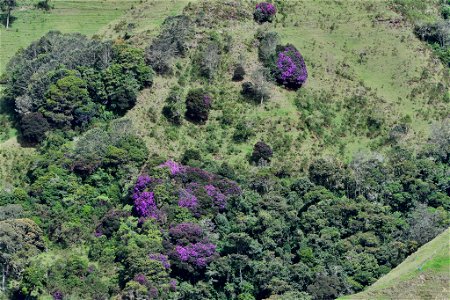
{"points": [[67, 81]]}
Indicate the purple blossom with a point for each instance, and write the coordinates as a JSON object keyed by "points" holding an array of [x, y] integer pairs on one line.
{"points": [[142, 182], [291, 68], [186, 232], [173, 285], [163, 259], [154, 293], [174, 167], [264, 12], [267, 8], [199, 254], [140, 278], [187, 199], [218, 198], [145, 205], [144, 201], [57, 295]]}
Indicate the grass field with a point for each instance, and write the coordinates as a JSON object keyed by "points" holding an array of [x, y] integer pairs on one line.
{"points": [[423, 275], [84, 16]]}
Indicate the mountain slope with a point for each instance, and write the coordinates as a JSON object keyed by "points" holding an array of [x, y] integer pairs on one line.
{"points": [[423, 275]]}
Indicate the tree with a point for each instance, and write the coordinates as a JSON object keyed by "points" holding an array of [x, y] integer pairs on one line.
{"points": [[44, 5], [7, 6], [261, 151], [63, 98], [198, 104], [121, 87], [34, 126], [19, 239], [239, 73], [258, 89]]}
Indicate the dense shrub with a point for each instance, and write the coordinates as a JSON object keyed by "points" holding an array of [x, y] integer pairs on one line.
{"points": [[261, 152], [290, 69], [242, 132], [268, 42], [239, 73], [198, 104], [174, 108], [264, 12]]}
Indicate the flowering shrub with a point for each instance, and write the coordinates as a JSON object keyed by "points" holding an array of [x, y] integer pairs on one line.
{"points": [[174, 167], [144, 201], [163, 259], [187, 199], [264, 12], [141, 278], [290, 69]]}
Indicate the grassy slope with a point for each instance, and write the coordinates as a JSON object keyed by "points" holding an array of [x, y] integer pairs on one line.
{"points": [[397, 64], [84, 16], [423, 275]]}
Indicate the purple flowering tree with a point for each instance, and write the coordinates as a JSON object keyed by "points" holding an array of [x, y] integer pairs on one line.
{"points": [[190, 249], [264, 12], [290, 69], [144, 201]]}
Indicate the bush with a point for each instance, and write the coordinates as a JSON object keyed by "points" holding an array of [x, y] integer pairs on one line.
{"points": [[190, 155], [242, 132], [44, 5], [290, 69], [268, 42], [174, 108], [264, 12], [239, 73], [198, 104], [261, 152]]}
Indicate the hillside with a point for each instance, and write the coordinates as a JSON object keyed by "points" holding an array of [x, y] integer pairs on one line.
{"points": [[423, 275], [387, 82], [294, 150], [83, 16]]}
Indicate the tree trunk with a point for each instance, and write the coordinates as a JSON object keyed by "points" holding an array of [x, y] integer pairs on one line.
{"points": [[7, 18], [3, 277]]}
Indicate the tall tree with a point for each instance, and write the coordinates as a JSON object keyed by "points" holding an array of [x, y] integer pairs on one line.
{"points": [[7, 6]]}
